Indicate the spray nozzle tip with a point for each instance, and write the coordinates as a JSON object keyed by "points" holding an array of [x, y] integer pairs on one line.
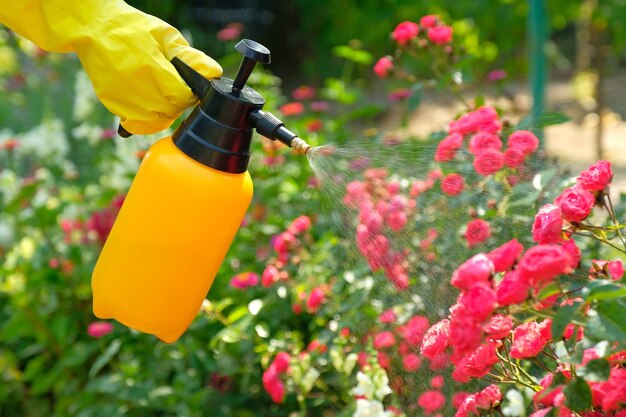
{"points": [[300, 146]]}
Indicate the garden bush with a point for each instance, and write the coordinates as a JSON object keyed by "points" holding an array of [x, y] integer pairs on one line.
{"points": [[335, 297]]}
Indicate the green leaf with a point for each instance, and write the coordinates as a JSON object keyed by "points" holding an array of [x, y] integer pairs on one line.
{"points": [[607, 321], [238, 313], [596, 370], [578, 395], [563, 317], [106, 356], [551, 118], [548, 290], [603, 290], [355, 55]]}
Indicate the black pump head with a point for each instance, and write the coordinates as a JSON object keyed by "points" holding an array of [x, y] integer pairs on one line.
{"points": [[219, 130]]}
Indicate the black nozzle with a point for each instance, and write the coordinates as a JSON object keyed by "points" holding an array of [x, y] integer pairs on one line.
{"points": [[271, 126], [252, 52]]}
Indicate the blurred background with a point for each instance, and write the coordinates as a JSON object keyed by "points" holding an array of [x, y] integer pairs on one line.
{"points": [[64, 173], [582, 45]]}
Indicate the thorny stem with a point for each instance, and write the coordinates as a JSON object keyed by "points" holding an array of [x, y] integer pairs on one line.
{"points": [[508, 357], [601, 240], [614, 219]]}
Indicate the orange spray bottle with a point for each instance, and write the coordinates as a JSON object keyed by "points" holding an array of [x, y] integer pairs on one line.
{"points": [[185, 206]]}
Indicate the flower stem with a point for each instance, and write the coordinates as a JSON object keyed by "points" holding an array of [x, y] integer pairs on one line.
{"points": [[615, 222]]}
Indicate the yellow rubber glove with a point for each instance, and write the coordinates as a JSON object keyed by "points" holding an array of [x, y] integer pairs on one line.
{"points": [[125, 52]]}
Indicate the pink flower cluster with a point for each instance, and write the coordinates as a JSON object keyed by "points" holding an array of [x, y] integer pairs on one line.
{"points": [[96, 228], [480, 328], [398, 353], [431, 25], [430, 30], [482, 126], [383, 211], [480, 403], [284, 244], [272, 382]]}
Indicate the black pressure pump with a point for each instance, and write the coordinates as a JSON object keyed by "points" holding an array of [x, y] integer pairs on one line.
{"points": [[219, 130]]}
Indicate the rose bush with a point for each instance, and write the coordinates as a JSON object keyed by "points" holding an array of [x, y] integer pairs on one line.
{"points": [[318, 311]]}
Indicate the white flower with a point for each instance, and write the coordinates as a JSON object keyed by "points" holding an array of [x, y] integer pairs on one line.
{"points": [[45, 143], [382, 385], [365, 386], [92, 133], [367, 408]]}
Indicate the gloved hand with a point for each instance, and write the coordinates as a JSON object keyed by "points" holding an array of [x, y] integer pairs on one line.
{"points": [[125, 52]]}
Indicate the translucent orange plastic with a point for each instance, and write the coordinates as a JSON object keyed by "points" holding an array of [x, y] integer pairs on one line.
{"points": [[168, 241]]}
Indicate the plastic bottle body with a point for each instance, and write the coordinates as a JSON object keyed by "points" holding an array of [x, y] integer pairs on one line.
{"points": [[168, 241]]}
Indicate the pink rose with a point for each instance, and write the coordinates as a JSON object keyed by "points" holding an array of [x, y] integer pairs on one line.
{"points": [[404, 32], [512, 289], [481, 141], [573, 251], [548, 225], [479, 301], [436, 339], [446, 149], [431, 401], [383, 66], [477, 231], [429, 21], [384, 340], [476, 269], [513, 157], [543, 263], [281, 362], [411, 362], [98, 329], [465, 334], [452, 184], [489, 398], [387, 316], [615, 269], [488, 161], [270, 276], [498, 327], [523, 140], [273, 386], [302, 93], [505, 256], [528, 341], [575, 203], [315, 300], [300, 225], [478, 363], [437, 382], [597, 177], [440, 35]]}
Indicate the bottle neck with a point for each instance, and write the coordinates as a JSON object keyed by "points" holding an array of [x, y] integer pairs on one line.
{"points": [[212, 144]]}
